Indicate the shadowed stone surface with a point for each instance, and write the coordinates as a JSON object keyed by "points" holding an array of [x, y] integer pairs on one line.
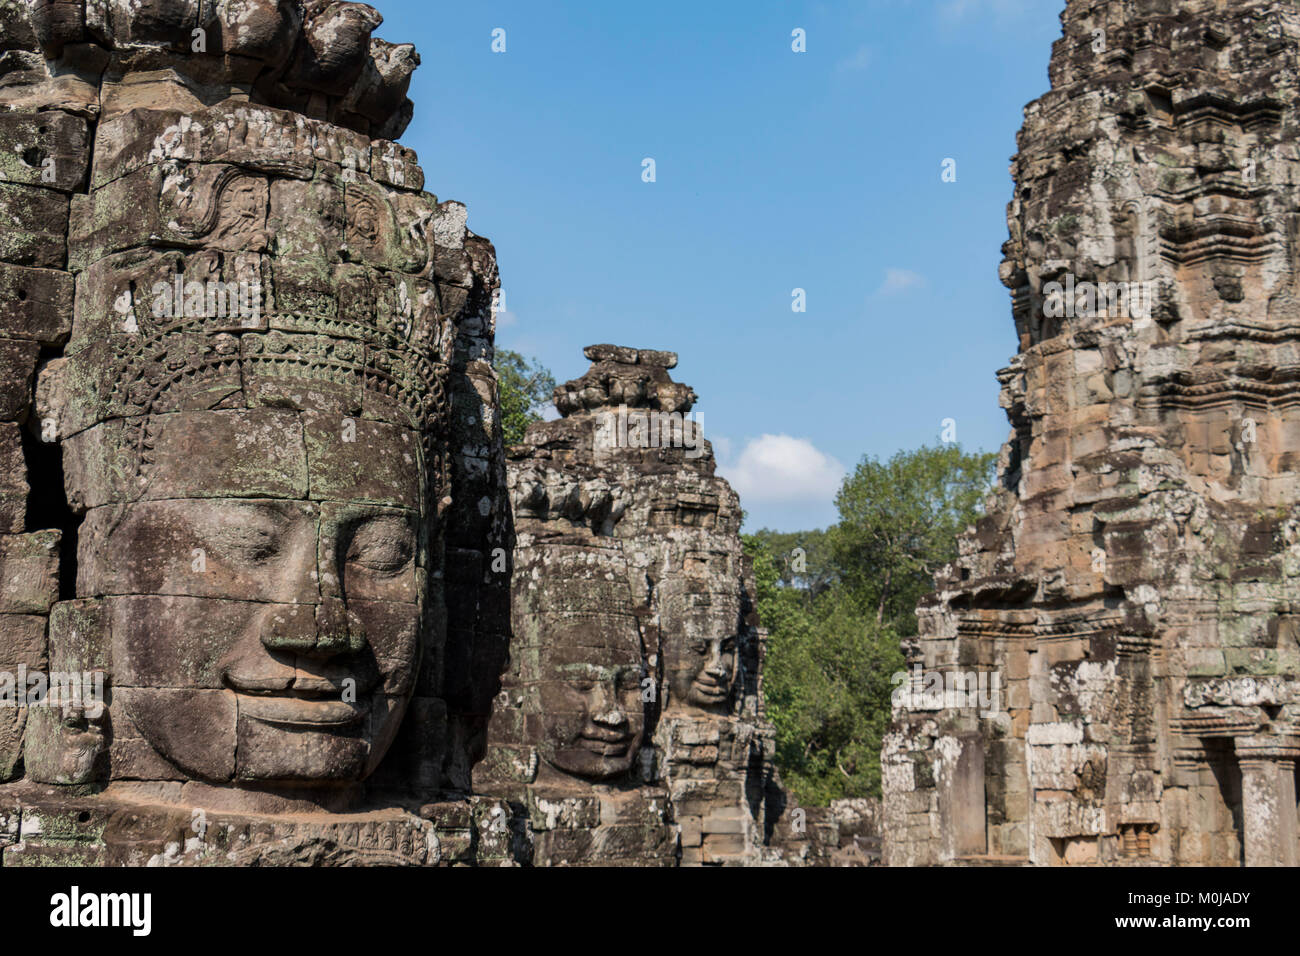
{"points": [[1133, 581]]}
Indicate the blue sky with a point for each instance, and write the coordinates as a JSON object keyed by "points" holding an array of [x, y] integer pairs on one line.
{"points": [[775, 170]]}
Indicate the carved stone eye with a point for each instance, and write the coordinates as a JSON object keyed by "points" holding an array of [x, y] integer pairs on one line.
{"points": [[383, 545]]}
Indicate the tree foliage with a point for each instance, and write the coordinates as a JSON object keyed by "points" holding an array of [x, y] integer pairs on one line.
{"points": [[524, 387], [899, 522], [836, 602]]}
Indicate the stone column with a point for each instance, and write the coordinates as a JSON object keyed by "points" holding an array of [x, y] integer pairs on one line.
{"points": [[960, 782], [1268, 801]]}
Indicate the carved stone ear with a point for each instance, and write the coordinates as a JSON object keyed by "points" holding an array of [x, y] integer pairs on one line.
{"points": [[63, 747]]}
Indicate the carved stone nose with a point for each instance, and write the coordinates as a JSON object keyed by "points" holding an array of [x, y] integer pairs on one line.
{"points": [[610, 718], [332, 632]]}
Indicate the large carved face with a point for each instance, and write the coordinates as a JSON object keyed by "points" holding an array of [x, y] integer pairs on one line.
{"points": [[266, 638], [705, 671], [258, 472]]}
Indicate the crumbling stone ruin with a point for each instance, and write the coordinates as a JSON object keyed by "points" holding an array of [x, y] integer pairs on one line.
{"points": [[631, 711], [252, 470], [1128, 599]]}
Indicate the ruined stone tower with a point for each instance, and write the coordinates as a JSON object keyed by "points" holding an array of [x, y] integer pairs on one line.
{"points": [[630, 720], [1132, 587]]}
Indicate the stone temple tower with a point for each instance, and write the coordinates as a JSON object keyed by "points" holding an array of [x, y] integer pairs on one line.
{"points": [[252, 473], [630, 722], [1118, 642]]}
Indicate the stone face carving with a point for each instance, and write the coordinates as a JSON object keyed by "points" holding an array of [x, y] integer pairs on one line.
{"points": [[580, 642], [252, 581], [256, 355], [701, 621], [633, 694], [1131, 583]]}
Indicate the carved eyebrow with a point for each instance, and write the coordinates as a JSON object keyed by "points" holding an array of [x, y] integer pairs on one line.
{"points": [[399, 517], [591, 672], [261, 516], [264, 510], [355, 514], [352, 527], [261, 533]]}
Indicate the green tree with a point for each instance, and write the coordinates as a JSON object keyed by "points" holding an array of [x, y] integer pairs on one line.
{"points": [[781, 607], [899, 522], [827, 684], [835, 625], [802, 559], [525, 389]]}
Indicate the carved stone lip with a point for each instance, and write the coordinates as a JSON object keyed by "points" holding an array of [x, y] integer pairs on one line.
{"points": [[708, 688], [606, 743], [300, 711]]}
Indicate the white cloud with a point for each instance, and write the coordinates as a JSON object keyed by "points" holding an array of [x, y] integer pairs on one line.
{"points": [[860, 60], [721, 447], [900, 280], [781, 468]]}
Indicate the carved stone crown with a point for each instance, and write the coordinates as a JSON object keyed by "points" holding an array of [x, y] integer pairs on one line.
{"points": [[636, 378], [315, 57]]}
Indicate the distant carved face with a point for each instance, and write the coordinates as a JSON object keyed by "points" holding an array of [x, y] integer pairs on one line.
{"points": [[705, 671], [700, 619], [266, 639], [590, 698]]}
